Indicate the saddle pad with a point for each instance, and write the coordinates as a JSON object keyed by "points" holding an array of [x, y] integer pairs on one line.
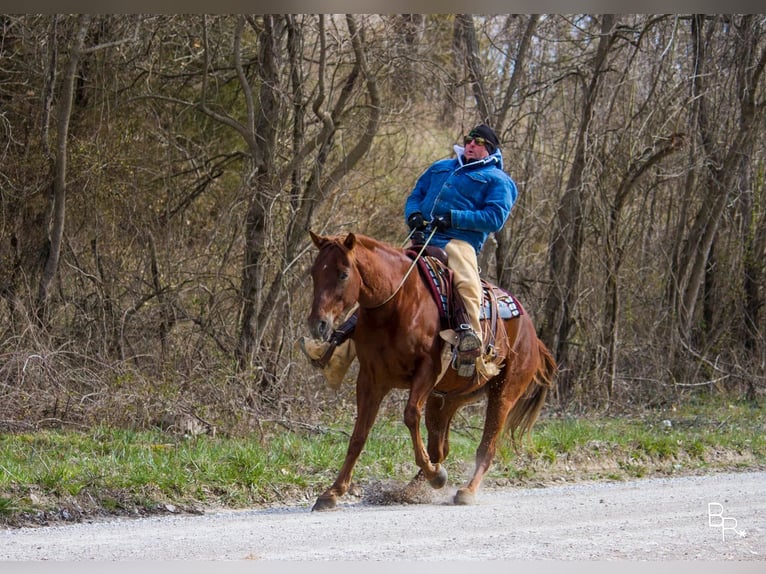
{"points": [[437, 276], [507, 305]]}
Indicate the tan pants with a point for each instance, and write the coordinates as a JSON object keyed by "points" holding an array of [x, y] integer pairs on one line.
{"points": [[465, 267]]}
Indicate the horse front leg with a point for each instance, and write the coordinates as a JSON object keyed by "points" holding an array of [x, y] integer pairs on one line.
{"points": [[439, 413], [368, 402], [431, 471]]}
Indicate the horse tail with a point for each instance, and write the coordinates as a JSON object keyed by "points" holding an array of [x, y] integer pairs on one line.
{"points": [[524, 413]]}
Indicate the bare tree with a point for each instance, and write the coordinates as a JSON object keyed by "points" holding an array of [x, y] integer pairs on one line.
{"points": [[567, 240], [268, 115], [725, 154], [58, 210], [154, 202]]}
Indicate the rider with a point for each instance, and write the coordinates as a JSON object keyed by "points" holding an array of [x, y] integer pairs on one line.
{"points": [[462, 199]]}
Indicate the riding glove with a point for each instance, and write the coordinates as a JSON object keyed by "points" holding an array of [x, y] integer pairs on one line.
{"points": [[442, 222], [416, 221]]}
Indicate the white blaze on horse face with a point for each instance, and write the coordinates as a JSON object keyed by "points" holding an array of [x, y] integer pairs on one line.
{"points": [[321, 321], [327, 308], [332, 275]]}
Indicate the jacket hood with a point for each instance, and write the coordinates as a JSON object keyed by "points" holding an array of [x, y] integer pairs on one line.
{"points": [[497, 157]]}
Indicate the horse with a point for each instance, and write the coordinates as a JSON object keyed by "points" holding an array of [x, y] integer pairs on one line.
{"points": [[398, 345]]}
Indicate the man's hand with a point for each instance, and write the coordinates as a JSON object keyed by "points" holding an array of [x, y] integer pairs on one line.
{"points": [[442, 222], [416, 221]]}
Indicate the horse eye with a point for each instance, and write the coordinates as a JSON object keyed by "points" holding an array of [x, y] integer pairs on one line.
{"points": [[343, 275]]}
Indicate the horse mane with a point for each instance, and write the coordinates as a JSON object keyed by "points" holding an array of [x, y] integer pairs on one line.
{"points": [[372, 243], [346, 242]]}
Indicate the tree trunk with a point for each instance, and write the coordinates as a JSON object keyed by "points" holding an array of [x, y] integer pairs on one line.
{"points": [[567, 241], [639, 166], [754, 247], [58, 211], [262, 127], [473, 64], [723, 164]]}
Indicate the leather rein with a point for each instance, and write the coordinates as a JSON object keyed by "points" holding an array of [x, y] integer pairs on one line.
{"points": [[409, 271]]}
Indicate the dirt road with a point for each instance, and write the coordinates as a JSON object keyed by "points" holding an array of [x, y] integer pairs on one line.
{"points": [[717, 517]]}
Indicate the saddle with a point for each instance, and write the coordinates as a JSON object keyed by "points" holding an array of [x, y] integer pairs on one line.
{"points": [[497, 303]]}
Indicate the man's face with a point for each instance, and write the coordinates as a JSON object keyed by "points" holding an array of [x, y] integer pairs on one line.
{"points": [[474, 151]]}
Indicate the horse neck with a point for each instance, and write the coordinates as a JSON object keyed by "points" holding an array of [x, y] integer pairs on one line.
{"points": [[382, 270]]}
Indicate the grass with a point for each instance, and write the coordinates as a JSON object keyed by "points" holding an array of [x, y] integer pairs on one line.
{"points": [[701, 436], [63, 475]]}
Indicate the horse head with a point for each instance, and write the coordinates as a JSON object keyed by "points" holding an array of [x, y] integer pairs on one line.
{"points": [[336, 284]]}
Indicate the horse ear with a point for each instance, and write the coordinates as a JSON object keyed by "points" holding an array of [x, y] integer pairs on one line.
{"points": [[349, 241], [318, 241]]}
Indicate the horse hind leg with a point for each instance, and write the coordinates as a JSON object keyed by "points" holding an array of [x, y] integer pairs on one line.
{"points": [[501, 401]]}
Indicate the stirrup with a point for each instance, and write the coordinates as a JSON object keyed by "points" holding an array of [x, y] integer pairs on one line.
{"points": [[468, 351], [464, 365], [469, 342]]}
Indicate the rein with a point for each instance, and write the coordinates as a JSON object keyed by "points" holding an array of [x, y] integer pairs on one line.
{"points": [[412, 266]]}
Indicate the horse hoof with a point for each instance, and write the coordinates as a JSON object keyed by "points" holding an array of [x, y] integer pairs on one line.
{"points": [[324, 503], [440, 479], [464, 497]]}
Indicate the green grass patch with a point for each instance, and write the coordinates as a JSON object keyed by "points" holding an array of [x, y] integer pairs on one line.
{"points": [[702, 435], [120, 471], [7, 506]]}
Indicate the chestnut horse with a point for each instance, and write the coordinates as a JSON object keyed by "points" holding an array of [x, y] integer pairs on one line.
{"points": [[398, 346]]}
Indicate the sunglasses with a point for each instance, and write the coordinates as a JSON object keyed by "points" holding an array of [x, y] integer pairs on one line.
{"points": [[478, 140]]}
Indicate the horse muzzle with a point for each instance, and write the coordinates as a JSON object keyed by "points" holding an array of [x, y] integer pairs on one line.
{"points": [[321, 327]]}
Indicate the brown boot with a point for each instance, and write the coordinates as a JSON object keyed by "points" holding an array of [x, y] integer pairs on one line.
{"points": [[333, 360]]}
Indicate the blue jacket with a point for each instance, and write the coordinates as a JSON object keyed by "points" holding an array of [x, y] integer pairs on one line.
{"points": [[478, 196]]}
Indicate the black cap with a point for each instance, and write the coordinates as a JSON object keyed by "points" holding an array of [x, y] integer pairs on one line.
{"points": [[484, 131]]}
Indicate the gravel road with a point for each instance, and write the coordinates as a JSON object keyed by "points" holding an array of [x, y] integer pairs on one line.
{"points": [[715, 517]]}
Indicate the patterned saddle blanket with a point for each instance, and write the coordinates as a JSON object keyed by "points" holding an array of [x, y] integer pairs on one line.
{"points": [[438, 278]]}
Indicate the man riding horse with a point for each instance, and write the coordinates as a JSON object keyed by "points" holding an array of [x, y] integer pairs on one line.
{"points": [[458, 202]]}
